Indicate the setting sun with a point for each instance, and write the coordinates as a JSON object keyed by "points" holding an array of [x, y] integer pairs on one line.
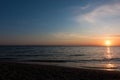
{"points": [[107, 42]]}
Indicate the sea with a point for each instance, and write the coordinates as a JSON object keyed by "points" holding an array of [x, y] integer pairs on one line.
{"points": [[90, 57]]}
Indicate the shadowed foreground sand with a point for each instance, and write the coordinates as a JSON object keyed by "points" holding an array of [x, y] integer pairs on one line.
{"points": [[20, 71]]}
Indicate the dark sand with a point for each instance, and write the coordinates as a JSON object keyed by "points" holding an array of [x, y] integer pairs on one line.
{"points": [[22, 71]]}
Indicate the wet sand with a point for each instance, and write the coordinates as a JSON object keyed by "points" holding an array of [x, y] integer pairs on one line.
{"points": [[22, 71]]}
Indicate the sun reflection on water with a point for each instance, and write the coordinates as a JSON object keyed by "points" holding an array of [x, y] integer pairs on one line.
{"points": [[108, 50], [109, 65], [108, 55]]}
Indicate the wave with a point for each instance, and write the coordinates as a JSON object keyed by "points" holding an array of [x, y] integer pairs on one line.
{"points": [[61, 61], [7, 58], [77, 61], [77, 55]]}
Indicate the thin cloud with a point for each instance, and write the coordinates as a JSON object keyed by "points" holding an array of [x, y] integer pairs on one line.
{"points": [[78, 9], [102, 12], [69, 36], [85, 7], [114, 35], [103, 19]]}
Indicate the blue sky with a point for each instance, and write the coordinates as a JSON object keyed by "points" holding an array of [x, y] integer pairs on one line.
{"points": [[58, 22]]}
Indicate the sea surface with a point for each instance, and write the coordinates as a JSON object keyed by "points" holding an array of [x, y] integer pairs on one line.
{"points": [[105, 58]]}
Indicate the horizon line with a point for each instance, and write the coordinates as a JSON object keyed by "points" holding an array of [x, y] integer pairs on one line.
{"points": [[63, 45]]}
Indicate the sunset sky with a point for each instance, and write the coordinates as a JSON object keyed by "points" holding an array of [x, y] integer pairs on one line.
{"points": [[59, 22]]}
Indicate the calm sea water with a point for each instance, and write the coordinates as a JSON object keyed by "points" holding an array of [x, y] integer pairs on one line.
{"points": [[107, 58]]}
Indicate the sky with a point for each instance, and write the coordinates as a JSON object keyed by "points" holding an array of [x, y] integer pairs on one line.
{"points": [[59, 22]]}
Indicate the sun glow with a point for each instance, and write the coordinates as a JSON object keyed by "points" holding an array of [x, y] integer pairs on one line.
{"points": [[108, 43]]}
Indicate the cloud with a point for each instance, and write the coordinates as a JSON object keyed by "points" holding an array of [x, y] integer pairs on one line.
{"points": [[117, 36], [85, 7], [78, 9], [103, 19], [100, 13], [69, 36]]}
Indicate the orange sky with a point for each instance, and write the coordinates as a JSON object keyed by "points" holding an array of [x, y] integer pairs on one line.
{"points": [[66, 40]]}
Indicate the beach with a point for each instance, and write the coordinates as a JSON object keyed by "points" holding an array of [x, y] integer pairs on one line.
{"points": [[23, 71]]}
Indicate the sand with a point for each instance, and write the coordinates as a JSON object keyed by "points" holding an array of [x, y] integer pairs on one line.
{"points": [[22, 71]]}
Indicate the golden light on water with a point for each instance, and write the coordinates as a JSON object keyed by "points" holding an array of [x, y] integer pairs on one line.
{"points": [[108, 50], [108, 55], [109, 65]]}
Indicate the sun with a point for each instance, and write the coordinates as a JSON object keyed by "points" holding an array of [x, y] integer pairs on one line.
{"points": [[108, 43]]}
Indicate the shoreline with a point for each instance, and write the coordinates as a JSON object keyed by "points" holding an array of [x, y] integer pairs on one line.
{"points": [[23, 71]]}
